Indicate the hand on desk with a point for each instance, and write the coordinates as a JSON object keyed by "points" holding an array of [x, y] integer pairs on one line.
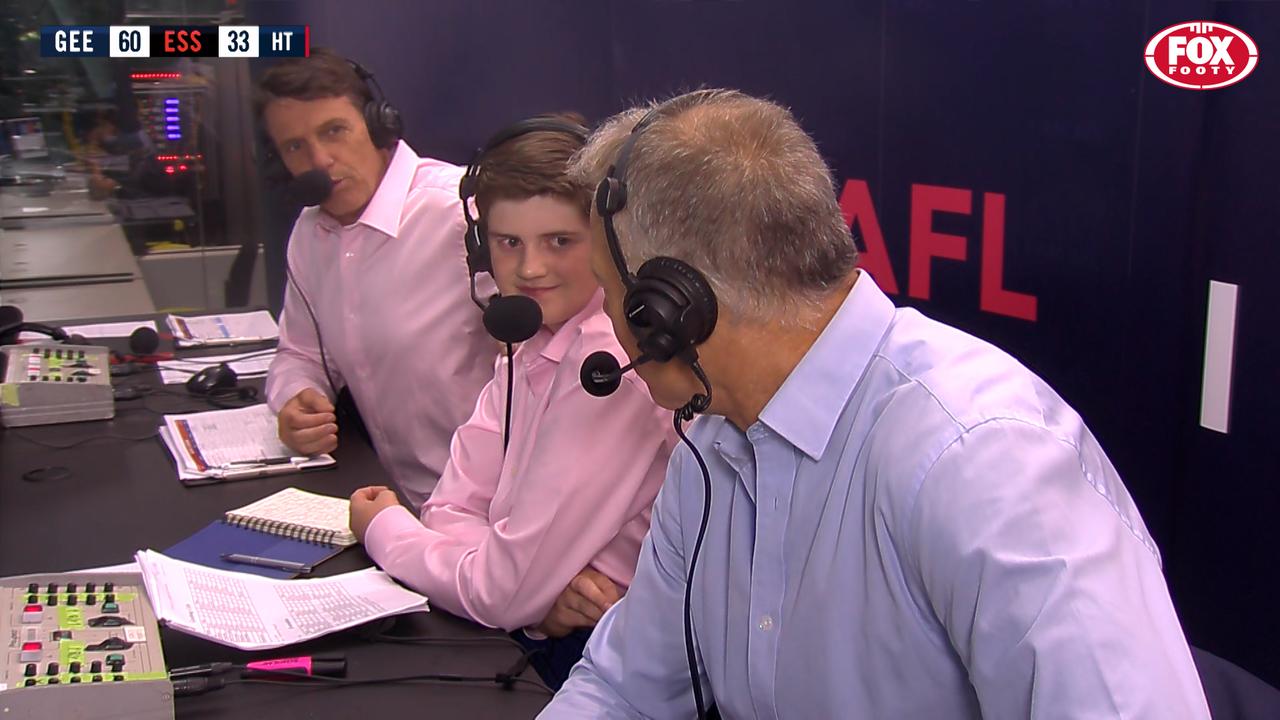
{"points": [[307, 423], [581, 604], [366, 503]]}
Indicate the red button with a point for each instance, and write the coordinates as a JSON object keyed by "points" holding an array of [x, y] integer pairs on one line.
{"points": [[31, 646], [31, 608]]}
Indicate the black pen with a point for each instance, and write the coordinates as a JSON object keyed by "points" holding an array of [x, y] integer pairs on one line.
{"points": [[287, 565], [286, 460]]}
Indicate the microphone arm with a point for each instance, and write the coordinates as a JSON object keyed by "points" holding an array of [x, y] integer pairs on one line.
{"points": [[601, 376]]}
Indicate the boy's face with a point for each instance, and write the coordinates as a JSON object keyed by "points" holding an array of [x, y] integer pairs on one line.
{"points": [[329, 134], [541, 248]]}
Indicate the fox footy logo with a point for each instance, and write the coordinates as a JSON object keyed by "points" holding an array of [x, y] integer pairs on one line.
{"points": [[1201, 55]]}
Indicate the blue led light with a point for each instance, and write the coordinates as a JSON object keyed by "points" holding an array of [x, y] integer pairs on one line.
{"points": [[173, 128], [174, 136], [171, 101]]}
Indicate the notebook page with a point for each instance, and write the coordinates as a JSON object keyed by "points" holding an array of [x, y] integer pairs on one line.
{"points": [[299, 507]]}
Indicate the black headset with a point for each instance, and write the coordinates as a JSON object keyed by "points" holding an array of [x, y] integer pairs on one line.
{"points": [[219, 385], [386, 127], [382, 119], [669, 305], [476, 238]]}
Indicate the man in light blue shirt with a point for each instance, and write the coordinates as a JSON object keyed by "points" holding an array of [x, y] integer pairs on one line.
{"points": [[905, 522]]}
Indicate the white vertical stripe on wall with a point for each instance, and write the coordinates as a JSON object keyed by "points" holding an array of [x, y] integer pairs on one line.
{"points": [[1219, 347]]}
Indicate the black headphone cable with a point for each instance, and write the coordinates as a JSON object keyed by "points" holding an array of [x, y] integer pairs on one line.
{"points": [[685, 414], [324, 363]]}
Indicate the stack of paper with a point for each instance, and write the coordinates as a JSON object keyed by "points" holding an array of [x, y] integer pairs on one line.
{"points": [[255, 613], [96, 330], [252, 364], [226, 329], [232, 445]]}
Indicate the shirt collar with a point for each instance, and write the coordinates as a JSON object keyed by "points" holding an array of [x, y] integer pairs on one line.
{"points": [[387, 205], [805, 409], [553, 346]]}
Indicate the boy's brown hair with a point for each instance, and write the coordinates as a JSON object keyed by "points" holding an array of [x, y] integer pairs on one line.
{"points": [[530, 165]]}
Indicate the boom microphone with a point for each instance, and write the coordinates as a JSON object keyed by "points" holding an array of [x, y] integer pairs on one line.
{"points": [[144, 341], [512, 318], [12, 325], [310, 188], [601, 375]]}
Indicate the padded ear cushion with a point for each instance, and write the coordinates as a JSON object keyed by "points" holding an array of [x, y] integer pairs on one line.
{"points": [[384, 122], [484, 263], [671, 307], [475, 240], [611, 196]]}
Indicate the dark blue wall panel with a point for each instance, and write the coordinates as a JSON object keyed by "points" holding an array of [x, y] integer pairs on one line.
{"points": [[1122, 197]]}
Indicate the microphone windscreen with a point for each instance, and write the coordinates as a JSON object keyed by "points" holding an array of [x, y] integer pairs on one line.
{"points": [[512, 318], [143, 341], [600, 374], [10, 320], [77, 339], [10, 315], [310, 188]]}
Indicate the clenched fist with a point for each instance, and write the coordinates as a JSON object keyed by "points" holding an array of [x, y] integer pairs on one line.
{"points": [[307, 423]]}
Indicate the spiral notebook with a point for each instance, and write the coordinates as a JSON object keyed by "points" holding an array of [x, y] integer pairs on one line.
{"points": [[299, 515]]}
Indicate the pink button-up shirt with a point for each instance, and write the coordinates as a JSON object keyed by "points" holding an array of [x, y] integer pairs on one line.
{"points": [[391, 295], [502, 537]]}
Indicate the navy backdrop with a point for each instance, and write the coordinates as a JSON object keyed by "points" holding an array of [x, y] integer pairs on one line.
{"points": [[1079, 205]]}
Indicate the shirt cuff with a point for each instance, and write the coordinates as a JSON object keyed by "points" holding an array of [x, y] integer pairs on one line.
{"points": [[385, 527]]}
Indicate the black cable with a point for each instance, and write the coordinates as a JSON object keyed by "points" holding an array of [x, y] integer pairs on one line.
{"points": [[205, 361], [507, 679], [511, 381], [425, 640], [324, 363], [68, 446], [686, 413], [146, 392], [335, 683]]}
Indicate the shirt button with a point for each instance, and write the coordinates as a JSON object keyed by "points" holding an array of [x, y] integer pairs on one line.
{"points": [[766, 623]]}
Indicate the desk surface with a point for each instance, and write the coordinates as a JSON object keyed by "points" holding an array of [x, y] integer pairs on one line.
{"points": [[42, 304], [123, 495], [65, 254], [20, 206]]}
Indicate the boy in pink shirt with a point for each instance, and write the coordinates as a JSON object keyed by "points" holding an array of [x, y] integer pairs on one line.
{"points": [[545, 535]]}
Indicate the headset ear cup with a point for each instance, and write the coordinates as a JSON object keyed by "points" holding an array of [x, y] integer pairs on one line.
{"points": [[653, 316], [393, 123], [682, 297], [611, 196], [484, 263], [384, 123]]}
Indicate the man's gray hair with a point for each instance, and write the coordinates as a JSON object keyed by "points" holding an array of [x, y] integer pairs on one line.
{"points": [[733, 186]]}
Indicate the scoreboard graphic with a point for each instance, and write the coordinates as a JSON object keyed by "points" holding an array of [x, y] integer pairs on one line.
{"points": [[170, 41]]}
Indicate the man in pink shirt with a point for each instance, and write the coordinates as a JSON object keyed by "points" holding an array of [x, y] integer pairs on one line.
{"points": [[378, 298], [541, 536]]}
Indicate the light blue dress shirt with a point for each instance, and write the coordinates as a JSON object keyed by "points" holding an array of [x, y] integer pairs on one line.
{"points": [[916, 527]]}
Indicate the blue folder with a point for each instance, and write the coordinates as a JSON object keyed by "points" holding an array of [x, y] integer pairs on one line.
{"points": [[218, 538]]}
